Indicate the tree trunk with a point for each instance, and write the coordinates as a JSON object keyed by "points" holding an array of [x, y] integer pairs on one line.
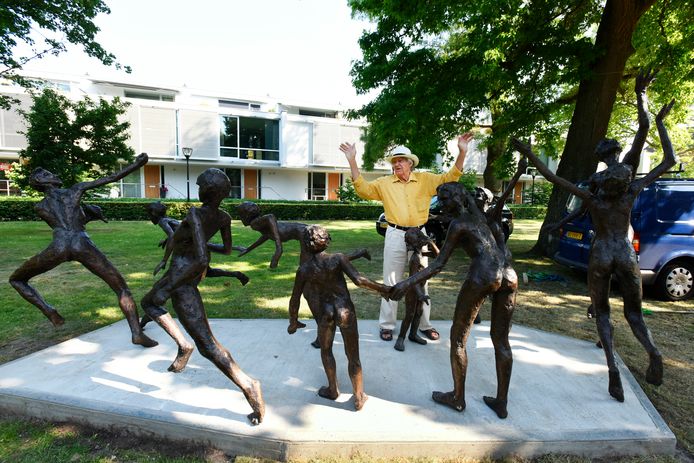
{"points": [[596, 96], [495, 150]]}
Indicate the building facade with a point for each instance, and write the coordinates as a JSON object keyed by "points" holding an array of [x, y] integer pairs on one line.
{"points": [[269, 149]]}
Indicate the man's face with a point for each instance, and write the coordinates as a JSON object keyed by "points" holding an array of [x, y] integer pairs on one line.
{"points": [[401, 166]]}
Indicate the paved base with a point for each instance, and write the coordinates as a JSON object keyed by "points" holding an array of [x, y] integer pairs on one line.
{"points": [[558, 397]]}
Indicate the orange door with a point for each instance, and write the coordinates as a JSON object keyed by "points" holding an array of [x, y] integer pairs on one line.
{"points": [[333, 184], [152, 181], [250, 184]]}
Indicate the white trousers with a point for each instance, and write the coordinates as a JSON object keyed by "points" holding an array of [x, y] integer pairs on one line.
{"points": [[395, 266]]}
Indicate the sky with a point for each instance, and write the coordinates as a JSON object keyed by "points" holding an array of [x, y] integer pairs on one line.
{"points": [[298, 49]]}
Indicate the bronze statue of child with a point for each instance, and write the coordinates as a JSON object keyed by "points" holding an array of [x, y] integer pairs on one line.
{"points": [[486, 277], [321, 281], [190, 258], [61, 210], [280, 232], [609, 200], [415, 241]]}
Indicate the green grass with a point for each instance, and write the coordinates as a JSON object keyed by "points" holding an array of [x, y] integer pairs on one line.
{"points": [[87, 303]]}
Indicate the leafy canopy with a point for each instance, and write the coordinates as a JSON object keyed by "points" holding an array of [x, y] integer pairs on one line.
{"points": [[74, 140], [46, 27]]}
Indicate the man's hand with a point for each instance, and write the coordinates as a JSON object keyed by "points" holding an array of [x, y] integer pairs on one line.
{"points": [[464, 140], [294, 324], [350, 150]]}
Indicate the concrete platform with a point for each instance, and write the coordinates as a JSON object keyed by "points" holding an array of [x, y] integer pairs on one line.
{"points": [[558, 397]]}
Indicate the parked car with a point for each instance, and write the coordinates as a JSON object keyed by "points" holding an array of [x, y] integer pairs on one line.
{"points": [[437, 225], [663, 222]]}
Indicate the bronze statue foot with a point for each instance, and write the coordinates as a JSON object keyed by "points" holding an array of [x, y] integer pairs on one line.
{"points": [[144, 320], [417, 339], [255, 399], [184, 353], [400, 344], [325, 392], [654, 374], [448, 399], [615, 386], [499, 406], [56, 319], [144, 340], [316, 343], [360, 400]]}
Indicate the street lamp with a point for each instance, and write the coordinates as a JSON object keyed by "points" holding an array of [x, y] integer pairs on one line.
{"points": [[187, 153], [533, 172]]}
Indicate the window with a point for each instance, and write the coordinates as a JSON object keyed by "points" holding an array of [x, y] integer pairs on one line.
{"points": [[131, 186], [308, 112], [235, 178], [148, 95], [238, 104], [317, 186], [249, 138]]}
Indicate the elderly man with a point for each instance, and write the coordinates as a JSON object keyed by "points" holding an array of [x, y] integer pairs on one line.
{"points": [[405, 195]]}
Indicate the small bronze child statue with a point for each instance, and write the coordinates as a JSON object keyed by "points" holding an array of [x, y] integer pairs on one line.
{"points": [[61, 210], [609, 200], [190, 258], [415, 241], [321, 281]]}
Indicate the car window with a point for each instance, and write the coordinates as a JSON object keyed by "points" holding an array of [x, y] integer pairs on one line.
{"points": [[574, 203]]}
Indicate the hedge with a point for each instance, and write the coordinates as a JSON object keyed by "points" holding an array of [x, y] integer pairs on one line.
{"points": [[134, 209]]}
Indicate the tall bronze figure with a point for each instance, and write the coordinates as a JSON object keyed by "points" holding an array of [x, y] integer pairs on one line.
{"points": [[321, 281], [416, 241], [609, 200], [61, 210], [486, 277], [189, 262]]}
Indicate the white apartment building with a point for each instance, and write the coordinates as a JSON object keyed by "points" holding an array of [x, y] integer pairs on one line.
{"points": [[269, 149]]}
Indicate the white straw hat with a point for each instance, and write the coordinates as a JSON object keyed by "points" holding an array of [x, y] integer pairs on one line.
{"points": [[401, 151]]}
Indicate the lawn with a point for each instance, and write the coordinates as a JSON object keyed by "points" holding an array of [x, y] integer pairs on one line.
{"points": [[87, 303]]}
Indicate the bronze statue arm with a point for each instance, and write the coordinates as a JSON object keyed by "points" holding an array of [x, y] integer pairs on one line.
{"points": [[225, 247], [550, 227], [633, 156], [669, 159], [524, 149], [140, 161], [495, 213], [433, 250], [360, 280]]}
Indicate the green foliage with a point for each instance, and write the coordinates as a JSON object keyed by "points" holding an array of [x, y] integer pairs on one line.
{"points": [[74, 140], [543, 190], [524, 211], [23, 209], [347, 194], [469, 179], [57, 23]]}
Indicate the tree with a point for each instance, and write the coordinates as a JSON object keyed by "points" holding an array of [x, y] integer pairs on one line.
{"points": [[58, 23], [529, 67], [74, 140]]}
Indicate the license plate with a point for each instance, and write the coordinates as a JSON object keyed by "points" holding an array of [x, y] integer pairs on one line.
{"points": [[574, 235]]}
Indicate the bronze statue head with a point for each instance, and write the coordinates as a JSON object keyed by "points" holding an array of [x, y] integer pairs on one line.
{"points": [[248, 211], [156, 211], [607, 150], [415, 239], [213, 185], [316, 238], [41, 178]]}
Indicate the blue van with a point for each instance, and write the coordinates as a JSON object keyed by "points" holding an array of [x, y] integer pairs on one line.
{"points": [[663, 223]]}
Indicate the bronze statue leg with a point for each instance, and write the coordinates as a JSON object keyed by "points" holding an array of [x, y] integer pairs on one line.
{"points": [[410, 308], [218, 272], [503, 303], [414, 327], [97, 263], [630, 284], [326, 333], [158, 313], [468, 305], [42, 262], [599, 288], [191, 313], [350, 336]]}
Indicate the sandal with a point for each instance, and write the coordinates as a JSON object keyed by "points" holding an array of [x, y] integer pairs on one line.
{"points": [[386, 335], [431, 333]]}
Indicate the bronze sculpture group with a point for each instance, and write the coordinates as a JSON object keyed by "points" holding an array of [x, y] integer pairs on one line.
{"points": [[475, 227]]}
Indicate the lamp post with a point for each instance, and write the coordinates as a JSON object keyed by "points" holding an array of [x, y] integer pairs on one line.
{"points": [[533, 172], [187, 153]]}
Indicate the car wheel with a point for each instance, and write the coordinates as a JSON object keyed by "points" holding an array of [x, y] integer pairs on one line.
{"points": [[676, 281]]}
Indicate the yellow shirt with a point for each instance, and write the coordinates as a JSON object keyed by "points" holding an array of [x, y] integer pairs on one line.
{"points": [[405, 203]]}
